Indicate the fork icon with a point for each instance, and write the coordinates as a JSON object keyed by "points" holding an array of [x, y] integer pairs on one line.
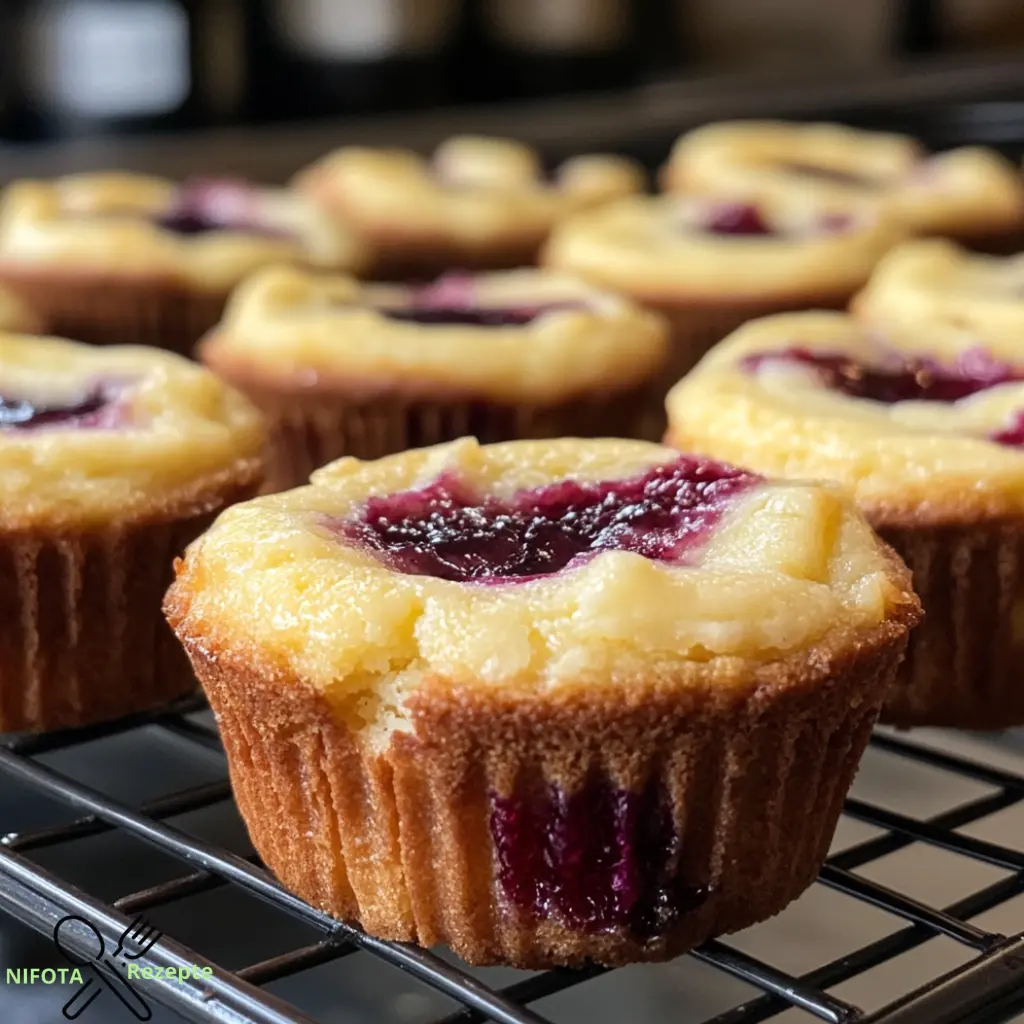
{"points": [[137, 940]]}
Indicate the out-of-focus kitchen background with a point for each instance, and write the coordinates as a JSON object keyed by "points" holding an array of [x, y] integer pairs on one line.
{"points": [[238, 75]]}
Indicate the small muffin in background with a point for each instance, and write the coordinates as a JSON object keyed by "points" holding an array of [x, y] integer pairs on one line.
{"points": [[971, 194], [112, 461], [113, 258], [710, 264], [477, 204], [924, 425], [544, 702], [936, 281], [343, 368]]}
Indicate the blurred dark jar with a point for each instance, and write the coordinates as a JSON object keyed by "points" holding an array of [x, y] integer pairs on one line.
{"points": [[131, 65], [348, 56], [546, 47]]}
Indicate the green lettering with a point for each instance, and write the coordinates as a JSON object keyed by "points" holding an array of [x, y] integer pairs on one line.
{"points": [[147, 973], [133, 970], [13, 975], [76, 977]]}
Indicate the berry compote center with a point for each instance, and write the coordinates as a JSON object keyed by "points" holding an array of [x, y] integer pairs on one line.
{"points": [[735, 219], [896, 378], [447, 531], [203, 206], [95, 408], [598, 859], [454, 300]]}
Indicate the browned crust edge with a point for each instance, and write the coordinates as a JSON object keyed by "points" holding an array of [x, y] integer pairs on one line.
{"points": [[313, 426], [755, 764], [965, 663], [116, 309], [82, 639]]}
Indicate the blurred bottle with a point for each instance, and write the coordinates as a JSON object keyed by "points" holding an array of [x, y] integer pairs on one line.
{"points": [[548, 47], [322, 57], [89, 66]]}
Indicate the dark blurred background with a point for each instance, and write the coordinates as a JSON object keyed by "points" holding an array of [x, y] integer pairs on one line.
{"points": [[80, 77]]}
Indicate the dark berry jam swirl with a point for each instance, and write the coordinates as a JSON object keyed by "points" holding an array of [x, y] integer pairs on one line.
{"points": [[447, 531], [896, 378], [598, 859], [453, 300], [203, 206], [96, 408], [747, 220]]}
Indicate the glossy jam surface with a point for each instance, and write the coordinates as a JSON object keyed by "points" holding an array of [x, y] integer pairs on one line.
{"points": [[454, 300], [896, 378], [96, 408], [207, 205], [447, 531], [735, 219], [598, 859]]}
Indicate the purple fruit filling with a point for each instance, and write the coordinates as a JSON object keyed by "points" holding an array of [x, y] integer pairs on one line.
{"points": [[598, 859], [735, 219], [207, 205], [448, 531], [1013, 434], [896, 378], [454, 300], [94, 409]]}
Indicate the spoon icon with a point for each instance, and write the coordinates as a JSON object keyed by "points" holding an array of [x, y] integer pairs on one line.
{"points": [[103, 971]]}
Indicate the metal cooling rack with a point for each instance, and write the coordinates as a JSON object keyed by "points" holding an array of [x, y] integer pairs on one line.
{"points": [[987, 989]]}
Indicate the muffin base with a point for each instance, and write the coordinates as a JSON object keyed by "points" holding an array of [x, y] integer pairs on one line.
{"points": [[965, 662], [310, 429], [104, 309], [82, 639], [399, 836]]}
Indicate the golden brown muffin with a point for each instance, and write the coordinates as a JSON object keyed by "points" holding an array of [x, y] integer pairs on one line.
{"points": [[709, 265], [971, 194], [935, 281], [477, 204], [126, 259], [926, 427], [112, 460], [342, 368], [544, 702]]}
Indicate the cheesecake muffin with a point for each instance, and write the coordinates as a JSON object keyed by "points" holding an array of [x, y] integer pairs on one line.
{"points": [[971, 194], [477, 204], [925, 426], [544, 702], [710, 264], [119, 258], [935, 281], [343, 368], [112, 460]]}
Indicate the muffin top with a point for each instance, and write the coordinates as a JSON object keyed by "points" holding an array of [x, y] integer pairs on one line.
{"points": [[206, 233], [925, 426], [558, 564], [933, 280], [474, 192], [93, 434], [524, 335], [968, 190], [700, 247]]}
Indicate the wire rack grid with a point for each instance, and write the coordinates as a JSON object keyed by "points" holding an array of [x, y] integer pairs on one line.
{"points": [[987, 989]]}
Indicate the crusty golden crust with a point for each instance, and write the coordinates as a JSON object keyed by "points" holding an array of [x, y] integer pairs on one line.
{"points": [[81, 636], [399, 255], [965, 663], [399, 837], [115, 309], [313, 425]]}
